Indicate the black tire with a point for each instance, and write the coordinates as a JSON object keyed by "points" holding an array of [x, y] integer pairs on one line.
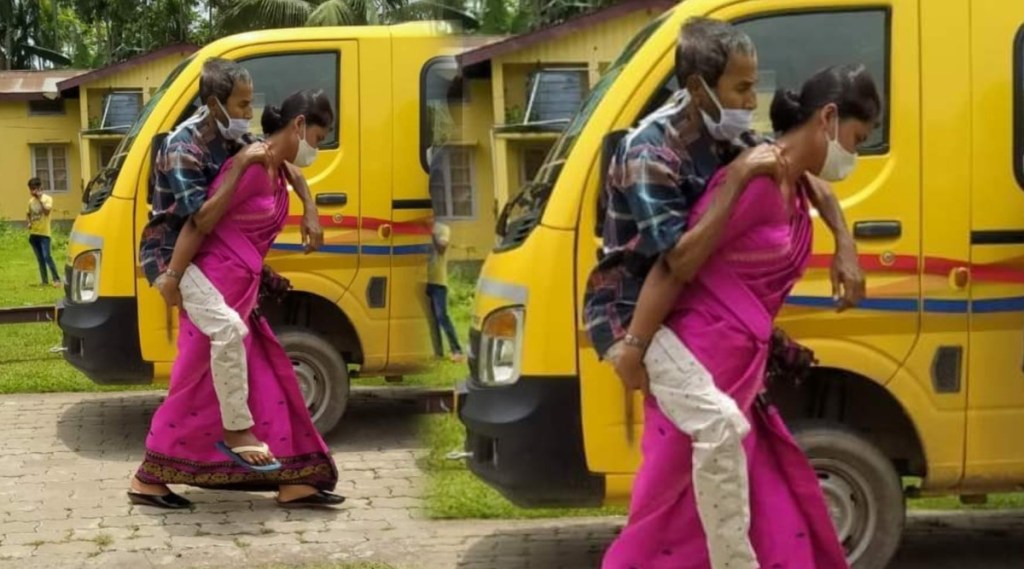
{"points": [[863, 490], [322, 375]]}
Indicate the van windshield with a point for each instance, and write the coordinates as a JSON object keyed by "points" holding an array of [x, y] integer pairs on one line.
{"points": [[100, 187], [530, 201]]}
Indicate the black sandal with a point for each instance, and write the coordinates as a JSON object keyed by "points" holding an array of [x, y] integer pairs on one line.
{"points": [[169, 501], [321, 499]]}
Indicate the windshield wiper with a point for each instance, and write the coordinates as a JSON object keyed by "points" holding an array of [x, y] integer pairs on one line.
{"points": [[527, 193]]}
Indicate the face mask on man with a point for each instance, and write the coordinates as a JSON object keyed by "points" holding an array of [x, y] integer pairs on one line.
{"points": [[307, 152], [731, 122], [236, 129], [839, 162]]}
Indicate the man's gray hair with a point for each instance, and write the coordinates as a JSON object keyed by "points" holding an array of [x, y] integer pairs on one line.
{"points": [[704, 48], [219, 78]]}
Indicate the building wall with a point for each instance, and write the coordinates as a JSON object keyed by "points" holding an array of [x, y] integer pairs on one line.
{"points": [[473, 238], [19, 131], [146, 77]]}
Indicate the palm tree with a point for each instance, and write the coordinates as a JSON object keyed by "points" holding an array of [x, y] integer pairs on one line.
{"points": [[22, 42], [242, 15]]}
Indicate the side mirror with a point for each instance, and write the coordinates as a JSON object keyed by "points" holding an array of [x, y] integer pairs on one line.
{"points": [[609, 145], [154, 147]]}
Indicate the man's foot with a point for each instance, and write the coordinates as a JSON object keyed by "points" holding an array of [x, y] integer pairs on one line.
{"points": [[57, 284], [235, 439], [457, 357]]}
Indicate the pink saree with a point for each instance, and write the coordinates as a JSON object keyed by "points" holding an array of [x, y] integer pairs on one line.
{"points": [[725, 319], [180, 446]]}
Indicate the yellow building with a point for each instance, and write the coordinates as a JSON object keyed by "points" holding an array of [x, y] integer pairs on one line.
{"points": [[522, 91], [64, 125]]}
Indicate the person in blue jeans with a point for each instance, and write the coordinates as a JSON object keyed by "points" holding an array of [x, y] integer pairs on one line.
{"points": [[437, 293], [38, 219]]}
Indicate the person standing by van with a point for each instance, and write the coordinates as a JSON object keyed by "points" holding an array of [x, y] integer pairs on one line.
{"points": [[39, 231], [187, 163], [659, 172], [437, 293]]}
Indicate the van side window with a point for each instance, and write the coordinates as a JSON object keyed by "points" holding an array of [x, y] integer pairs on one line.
{"points": [[1018, 107], [274, 77], [793, 46], [441, 90]]}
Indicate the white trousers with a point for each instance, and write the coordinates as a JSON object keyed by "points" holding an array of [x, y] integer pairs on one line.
{"points": [[686, 393], [207, 309]]}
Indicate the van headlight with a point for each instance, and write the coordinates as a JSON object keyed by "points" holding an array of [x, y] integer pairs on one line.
{"points": [[501, 347], [85, 277]]}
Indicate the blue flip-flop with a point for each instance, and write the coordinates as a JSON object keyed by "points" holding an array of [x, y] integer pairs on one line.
{"points": [[235, 454]]}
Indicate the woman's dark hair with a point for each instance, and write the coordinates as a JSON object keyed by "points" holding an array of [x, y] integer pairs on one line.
{"points": [[312, 104], [849, 87]]}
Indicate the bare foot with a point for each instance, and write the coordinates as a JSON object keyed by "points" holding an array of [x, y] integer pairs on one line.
{"points": [[458, 358], [141, 487], [236, 439]]}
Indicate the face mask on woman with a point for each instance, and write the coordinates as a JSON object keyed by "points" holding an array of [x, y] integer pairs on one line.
{"points": [[307, 152], [731, 122], [236, 129], [839, 162]]}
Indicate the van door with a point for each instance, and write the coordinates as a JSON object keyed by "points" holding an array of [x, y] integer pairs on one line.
{"points": [[995, 456], [882, 194], [279, 69]]}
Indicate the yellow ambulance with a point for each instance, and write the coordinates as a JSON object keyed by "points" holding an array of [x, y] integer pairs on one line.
{"points": [[922, 386], [360, 300]]}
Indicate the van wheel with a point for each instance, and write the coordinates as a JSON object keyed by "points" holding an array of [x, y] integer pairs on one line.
{"points": [[322, 375], [862, 489]]}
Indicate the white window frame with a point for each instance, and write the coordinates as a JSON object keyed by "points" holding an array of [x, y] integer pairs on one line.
{"points": [[446, 175], [49, 187]]}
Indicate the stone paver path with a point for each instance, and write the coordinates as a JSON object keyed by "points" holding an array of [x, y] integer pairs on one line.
{"points": [[65, 461]]}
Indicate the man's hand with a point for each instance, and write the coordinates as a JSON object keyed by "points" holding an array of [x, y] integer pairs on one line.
{"points": [[310, 230], [169, 290], [762, 160], [848, 286], [629, 366], [256, 152]]}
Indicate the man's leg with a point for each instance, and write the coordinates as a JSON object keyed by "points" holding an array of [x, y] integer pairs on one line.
{"points": [[34, 241], [207, 309], [446, 321], [687, 394], [44, 246], [435, 320]]}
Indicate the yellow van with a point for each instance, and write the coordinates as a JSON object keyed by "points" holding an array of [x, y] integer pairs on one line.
{"points": [[360, 301], [924, 381]]}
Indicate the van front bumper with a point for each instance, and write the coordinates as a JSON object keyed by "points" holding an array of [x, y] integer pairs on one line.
{"points": [[102, 340], [526, 440]]}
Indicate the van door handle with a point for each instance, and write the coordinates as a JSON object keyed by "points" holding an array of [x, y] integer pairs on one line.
{"points": [[337, 199], [877, 230]]}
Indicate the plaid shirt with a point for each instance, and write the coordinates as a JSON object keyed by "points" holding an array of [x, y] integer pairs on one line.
{"points": [[186, 164], [658, 173]]}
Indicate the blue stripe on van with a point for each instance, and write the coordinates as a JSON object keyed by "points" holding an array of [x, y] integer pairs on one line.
{"points": [[934, 306], [354, 249]]}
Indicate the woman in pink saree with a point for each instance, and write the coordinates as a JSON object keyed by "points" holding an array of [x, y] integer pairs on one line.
{"points": [[724, 319], [181, 446]]}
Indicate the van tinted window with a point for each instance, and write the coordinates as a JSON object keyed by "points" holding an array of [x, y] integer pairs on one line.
{"points": [[274, 77], [1018, 107], [793, 46]]}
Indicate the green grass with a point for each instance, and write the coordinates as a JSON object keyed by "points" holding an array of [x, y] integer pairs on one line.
{"points": [[454, 493], [26, 363], [19, 275]]}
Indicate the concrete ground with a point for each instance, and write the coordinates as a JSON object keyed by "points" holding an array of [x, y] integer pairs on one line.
{"points": [[65, 460]]}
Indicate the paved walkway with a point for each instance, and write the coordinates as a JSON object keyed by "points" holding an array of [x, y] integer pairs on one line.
{"points": [[65, 460]]}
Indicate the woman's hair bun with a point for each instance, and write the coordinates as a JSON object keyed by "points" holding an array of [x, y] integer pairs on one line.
{"points": [[272, 121], [786, 111]]}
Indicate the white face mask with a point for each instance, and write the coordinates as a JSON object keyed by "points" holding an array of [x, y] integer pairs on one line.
{"points": [[236, 129], [732, 122], [839, 162], [307, 152]]}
